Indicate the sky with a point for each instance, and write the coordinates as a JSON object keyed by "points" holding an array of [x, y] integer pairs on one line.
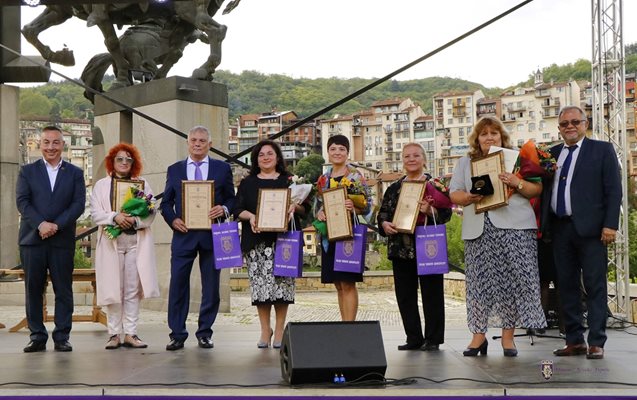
{"points": [[372, 38]]}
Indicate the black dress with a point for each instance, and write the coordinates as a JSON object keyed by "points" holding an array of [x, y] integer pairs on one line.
{"points": [[258, 248], [328, 275]]}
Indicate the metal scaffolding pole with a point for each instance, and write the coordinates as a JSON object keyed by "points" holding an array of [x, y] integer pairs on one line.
{"points": [[609, 123]]}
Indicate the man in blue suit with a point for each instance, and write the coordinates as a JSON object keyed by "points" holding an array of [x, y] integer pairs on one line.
{"points": [[581, 210], [186, 244], [50, 195]]}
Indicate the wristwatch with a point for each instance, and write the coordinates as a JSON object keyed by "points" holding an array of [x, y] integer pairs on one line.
{"points": [[520, 185]]}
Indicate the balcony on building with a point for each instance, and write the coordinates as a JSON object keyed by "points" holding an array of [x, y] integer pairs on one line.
{"points": [[445, 144], [515, 107], [548, 103], [542, 93], [388, 130]]}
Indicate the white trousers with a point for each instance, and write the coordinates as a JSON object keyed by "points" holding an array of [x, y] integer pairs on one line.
{"points": [[123, 316]]}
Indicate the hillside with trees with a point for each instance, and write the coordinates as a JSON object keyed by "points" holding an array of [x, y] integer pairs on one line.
{"points": [[254, 92]]}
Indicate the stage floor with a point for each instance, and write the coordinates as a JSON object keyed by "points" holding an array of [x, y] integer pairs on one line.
{"points": [[235, 367]]}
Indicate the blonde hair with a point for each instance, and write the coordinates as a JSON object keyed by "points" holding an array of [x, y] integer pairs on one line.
{"points": [[422, 150], [484, 122]]}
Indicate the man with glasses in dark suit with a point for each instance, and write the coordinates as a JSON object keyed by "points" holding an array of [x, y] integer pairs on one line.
{"points": [[581, 210]]}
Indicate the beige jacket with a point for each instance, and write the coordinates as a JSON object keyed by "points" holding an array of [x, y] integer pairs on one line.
{"points": [[106, 257]]}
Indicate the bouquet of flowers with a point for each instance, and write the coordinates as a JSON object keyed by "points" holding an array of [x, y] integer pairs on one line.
{"points": [[299, 190], [137, 204], [355, 191], [534, 163], [437, 193]]}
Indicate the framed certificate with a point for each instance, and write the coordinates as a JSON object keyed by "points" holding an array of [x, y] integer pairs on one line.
{"points": [[492, 165], [339, 223], [197, 198], [120, 188], [408, 207], [272, 210]]}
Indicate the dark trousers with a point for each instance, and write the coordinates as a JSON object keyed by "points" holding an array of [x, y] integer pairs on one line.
{"points": [[179, 292], [406, 282], [587, 257], [37, 261]]}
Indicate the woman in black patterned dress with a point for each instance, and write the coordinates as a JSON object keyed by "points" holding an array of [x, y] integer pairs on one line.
{"points": [[503, 285], [267, 171]]}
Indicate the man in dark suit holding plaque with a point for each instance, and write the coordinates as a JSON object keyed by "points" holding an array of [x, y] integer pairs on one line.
{"points": [[581, 212], [50, 195], [188, 243]]}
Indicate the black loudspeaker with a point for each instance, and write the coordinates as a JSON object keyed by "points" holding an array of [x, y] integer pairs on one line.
{"points": [[314, 352]]}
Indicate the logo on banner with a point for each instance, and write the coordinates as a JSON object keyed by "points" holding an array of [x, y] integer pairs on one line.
{"points": [[348, 248], [431, 248], [287, 252], [226, 244], [546, 366]]}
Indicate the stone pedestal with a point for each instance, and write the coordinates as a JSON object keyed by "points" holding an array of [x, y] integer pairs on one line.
{"points": [[9, 166], [178, 102]]}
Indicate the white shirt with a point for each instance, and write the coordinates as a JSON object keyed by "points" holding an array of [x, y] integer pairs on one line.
{"points": [[569, 176], [190, 168], [52, 171]]}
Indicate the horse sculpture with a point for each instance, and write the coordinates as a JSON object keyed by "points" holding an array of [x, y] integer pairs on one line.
{"points": [[158, 35]]}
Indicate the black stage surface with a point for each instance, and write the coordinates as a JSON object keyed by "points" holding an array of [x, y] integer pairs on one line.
{"points": [[235, 367]]}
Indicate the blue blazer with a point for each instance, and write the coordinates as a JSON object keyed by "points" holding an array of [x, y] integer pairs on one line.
{"points": [[596, 189], [38, 203], [170, 206]]}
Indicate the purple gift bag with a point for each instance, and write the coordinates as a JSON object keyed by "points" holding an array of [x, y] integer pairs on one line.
{"points": [[431, 249], [349, 255], [288, 254], [226, 245]]}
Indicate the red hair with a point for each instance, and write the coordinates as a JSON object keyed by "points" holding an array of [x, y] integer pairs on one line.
{"points": [[136, 168]]}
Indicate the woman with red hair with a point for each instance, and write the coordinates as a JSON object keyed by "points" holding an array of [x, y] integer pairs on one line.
{"points": [[124, 265]]}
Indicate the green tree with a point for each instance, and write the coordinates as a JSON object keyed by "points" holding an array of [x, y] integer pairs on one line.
{"points": [[33, 103], [310, 167], [455, 244], [80, 261]]}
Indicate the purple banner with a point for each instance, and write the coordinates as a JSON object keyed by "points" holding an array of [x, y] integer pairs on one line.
{"points": [[226, 245], [288, 254], [349, 255], [431, 249]]}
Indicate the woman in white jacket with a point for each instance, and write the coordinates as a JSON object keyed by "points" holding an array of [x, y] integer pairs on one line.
{"points": [[125, 265]]}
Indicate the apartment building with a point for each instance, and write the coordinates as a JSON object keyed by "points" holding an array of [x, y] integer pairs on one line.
{"points": [[454, 116], [531, 113], [425, 135]]}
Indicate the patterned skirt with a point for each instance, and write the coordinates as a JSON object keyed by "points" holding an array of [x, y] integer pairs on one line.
{"points": [[267, 288], [502, 279]]}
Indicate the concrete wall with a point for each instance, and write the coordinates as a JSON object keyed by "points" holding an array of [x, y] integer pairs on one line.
{"points": [[9, 166]]}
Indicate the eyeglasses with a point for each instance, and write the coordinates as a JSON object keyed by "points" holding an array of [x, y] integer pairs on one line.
{"points": [[124, 159], [574, 122]]}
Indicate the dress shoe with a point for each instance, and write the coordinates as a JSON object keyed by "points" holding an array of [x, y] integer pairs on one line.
{"points": [[265, 344], [410, 346], [113, 343], [571, 350], [428, 346], [276, 345], [134, 342], [35, 346], [595, 353], [63, 345], [175, 344], [474, 351], [510, 352], [205, 343]]}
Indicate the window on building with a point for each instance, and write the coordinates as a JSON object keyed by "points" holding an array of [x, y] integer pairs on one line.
{"points": [[449, 101], [532, 127], [546, 135], [461, 131], [450, 170], [468, 120], [532, 114], [461, 140], [379, 165], [461, 120], [520, 127], [450, 121], [520, 142]]}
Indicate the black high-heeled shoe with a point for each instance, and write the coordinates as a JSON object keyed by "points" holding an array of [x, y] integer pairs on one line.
{"points": [[510, 352], [474, 351]]}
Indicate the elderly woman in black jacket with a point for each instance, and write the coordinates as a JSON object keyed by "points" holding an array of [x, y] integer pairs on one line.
{"points": [[402, 252]]}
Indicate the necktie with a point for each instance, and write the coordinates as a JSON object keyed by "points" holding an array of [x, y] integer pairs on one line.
{"points": [[198, 175], [560, 207]]}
